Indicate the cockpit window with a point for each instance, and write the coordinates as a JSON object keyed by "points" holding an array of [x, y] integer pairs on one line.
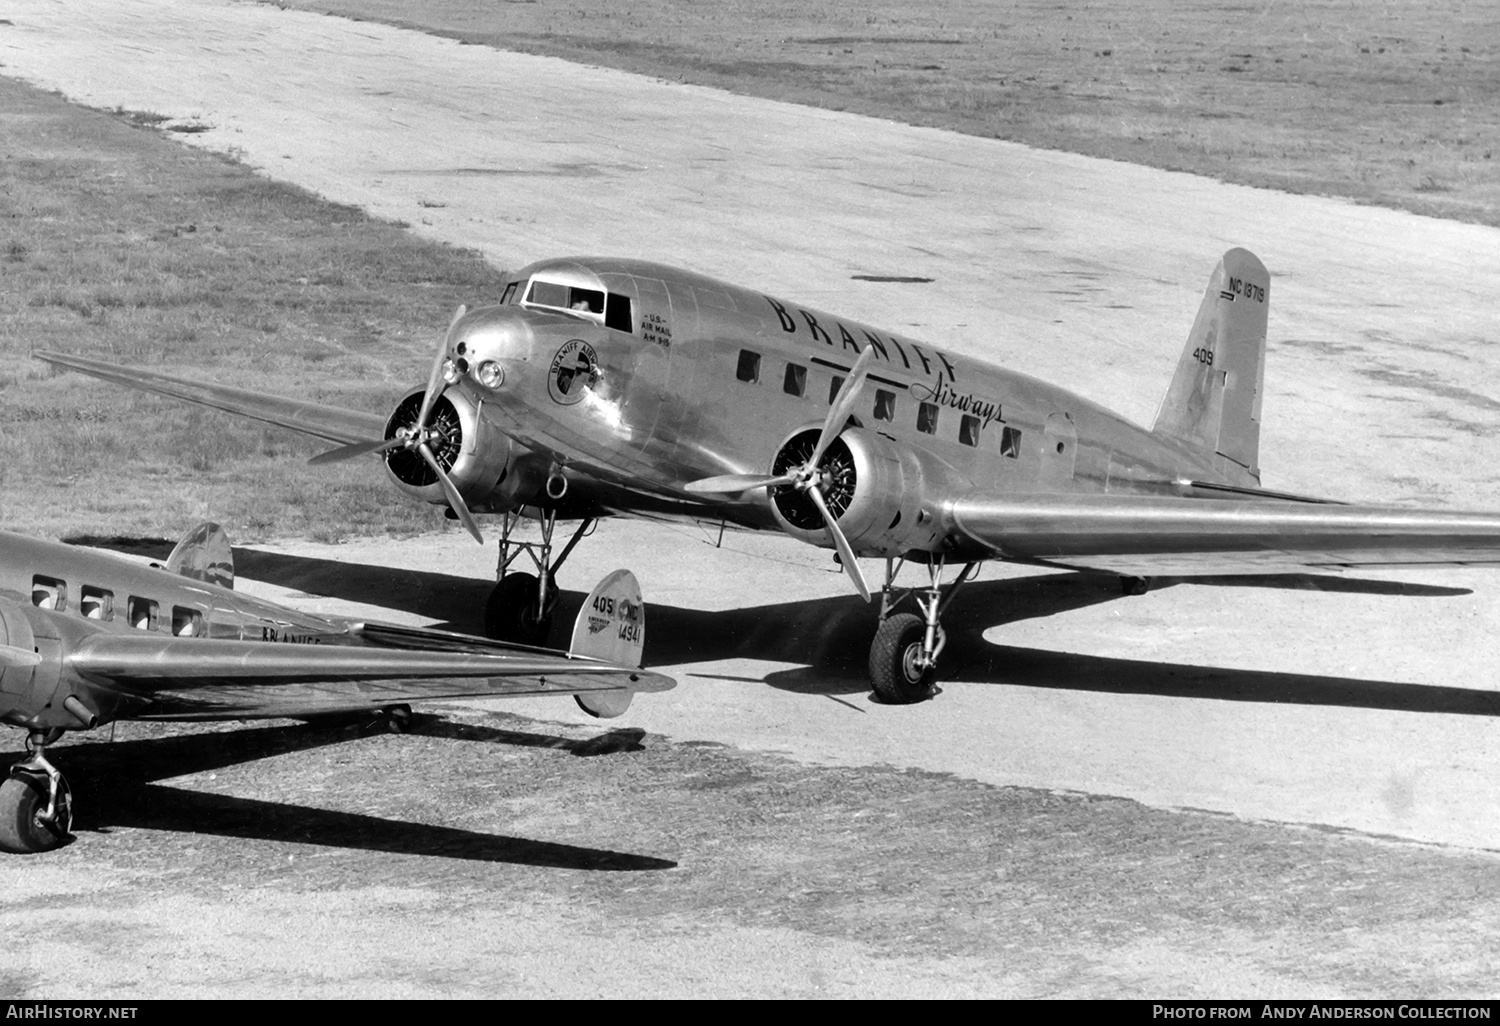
{"points": [[510, 293], [607, 308]]}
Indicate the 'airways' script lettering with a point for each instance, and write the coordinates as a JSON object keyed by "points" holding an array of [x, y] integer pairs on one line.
{"points": [[943, 394]]}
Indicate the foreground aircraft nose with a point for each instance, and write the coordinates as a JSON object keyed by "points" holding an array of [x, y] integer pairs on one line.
{"points": [[489, 345]]}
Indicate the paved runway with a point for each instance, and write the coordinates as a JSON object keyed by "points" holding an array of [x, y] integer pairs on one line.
{"points": [[1371, 706]]}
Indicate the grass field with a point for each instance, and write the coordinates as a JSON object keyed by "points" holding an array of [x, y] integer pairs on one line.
{"points": [[1396, 104], [115, 239]]}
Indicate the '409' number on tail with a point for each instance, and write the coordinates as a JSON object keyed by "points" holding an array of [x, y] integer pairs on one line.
{"points": [[1204, 356]]}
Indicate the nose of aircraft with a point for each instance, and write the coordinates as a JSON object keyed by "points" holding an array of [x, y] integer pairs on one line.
{"points": [[489, 344]]}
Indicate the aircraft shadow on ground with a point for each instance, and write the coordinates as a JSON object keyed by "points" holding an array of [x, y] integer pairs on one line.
{"points": [[830, 637], [112, 784]]}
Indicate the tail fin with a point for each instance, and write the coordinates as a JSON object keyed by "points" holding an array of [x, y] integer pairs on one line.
{"points": [[611, 626], [1213, 403], [204, 555]]}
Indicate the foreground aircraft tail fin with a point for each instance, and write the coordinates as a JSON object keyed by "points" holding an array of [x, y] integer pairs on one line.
{"points": [[1213, 403], [611, 626], [204, 555]]}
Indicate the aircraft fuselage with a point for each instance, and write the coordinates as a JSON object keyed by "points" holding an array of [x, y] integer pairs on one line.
{"points": [[664, 376]]}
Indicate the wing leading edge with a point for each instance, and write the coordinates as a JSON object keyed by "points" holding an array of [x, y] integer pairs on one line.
{"points": [[321, 421], [1149, 535]]}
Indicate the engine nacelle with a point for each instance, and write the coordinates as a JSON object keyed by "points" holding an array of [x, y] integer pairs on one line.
{"points": [[477, 456], [873, 487]]}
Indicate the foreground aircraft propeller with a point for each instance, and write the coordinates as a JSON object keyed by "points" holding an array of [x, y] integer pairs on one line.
{"points": [[810, 477], [416, 437]]}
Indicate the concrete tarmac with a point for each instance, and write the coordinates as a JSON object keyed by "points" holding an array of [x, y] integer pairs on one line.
{"points": [[1368, 705]]}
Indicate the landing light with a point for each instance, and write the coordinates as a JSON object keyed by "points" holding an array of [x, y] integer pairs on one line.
{"points": [[451, 373], [490, 374]]}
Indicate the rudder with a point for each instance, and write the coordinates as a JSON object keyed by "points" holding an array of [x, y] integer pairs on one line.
{"points": [[1213, 403]]}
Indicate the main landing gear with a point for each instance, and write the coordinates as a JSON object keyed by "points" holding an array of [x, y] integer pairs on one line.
{"points": [[904, 654], [36, 804], [521, 606]]}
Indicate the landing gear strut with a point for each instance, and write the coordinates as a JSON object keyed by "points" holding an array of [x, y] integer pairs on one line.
{"points": [[521, 606], [904, 654], [36, 804]]}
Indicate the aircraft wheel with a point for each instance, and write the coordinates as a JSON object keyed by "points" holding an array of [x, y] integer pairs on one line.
{"points": [[22, 798], [894, 656], [1134, 585], [512, 613], [397, 719]]}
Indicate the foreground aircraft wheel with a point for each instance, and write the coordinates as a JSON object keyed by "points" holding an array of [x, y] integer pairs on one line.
{"points": [[23, 798], [895, 657], [397, 719], [512, 613]]}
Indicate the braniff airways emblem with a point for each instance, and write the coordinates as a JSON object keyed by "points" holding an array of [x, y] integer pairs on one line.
{"points": [[573, 370]]}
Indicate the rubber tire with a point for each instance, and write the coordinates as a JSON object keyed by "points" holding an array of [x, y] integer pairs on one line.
{"points": [[891, 673], [22, 796], [511, 614], [396, 719]]}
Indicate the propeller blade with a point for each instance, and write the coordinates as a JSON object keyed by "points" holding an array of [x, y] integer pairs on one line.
{"points": [[732, 484], [435, 378], [846, 554], [348, 452], [10, 655], [833, 426], [454, 499]]}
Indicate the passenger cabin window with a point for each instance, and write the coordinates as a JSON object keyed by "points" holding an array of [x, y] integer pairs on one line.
{"points": [[96, 603], [968, 430], [927, 417], [749, 366], [48, 593], [607, 308], [142, 613], [885, 405], [187, 622], [833, 388], [1010, 443], [796, 380]]}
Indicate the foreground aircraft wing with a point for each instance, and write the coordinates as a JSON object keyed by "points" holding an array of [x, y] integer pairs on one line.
{"points": [[317, 419], [1151, 536], [181, 678]]}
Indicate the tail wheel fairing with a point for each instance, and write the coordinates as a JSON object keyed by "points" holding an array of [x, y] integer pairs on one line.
{"points": [[839, 476], [408, 465]]}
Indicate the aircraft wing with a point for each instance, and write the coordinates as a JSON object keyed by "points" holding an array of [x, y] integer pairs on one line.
{"points": [[185, 678], [1143, 536], [317, 419]]}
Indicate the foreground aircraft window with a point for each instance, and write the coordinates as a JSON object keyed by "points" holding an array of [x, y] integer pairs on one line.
{"points": [[510, 293], [796, 380], [48, 593], [885, 405], [186, 622], [617, 313], [927, 418], [833, 388], [1010, 443], [142, 613], [96, 603], [749, 368], [968, 430]]}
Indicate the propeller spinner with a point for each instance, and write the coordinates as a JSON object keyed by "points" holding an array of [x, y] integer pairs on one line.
{"points": [[811, 477], [419, 437]]}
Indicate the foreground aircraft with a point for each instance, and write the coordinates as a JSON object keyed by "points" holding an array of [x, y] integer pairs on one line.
{"points": [[602, 386], [87, 638]]}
